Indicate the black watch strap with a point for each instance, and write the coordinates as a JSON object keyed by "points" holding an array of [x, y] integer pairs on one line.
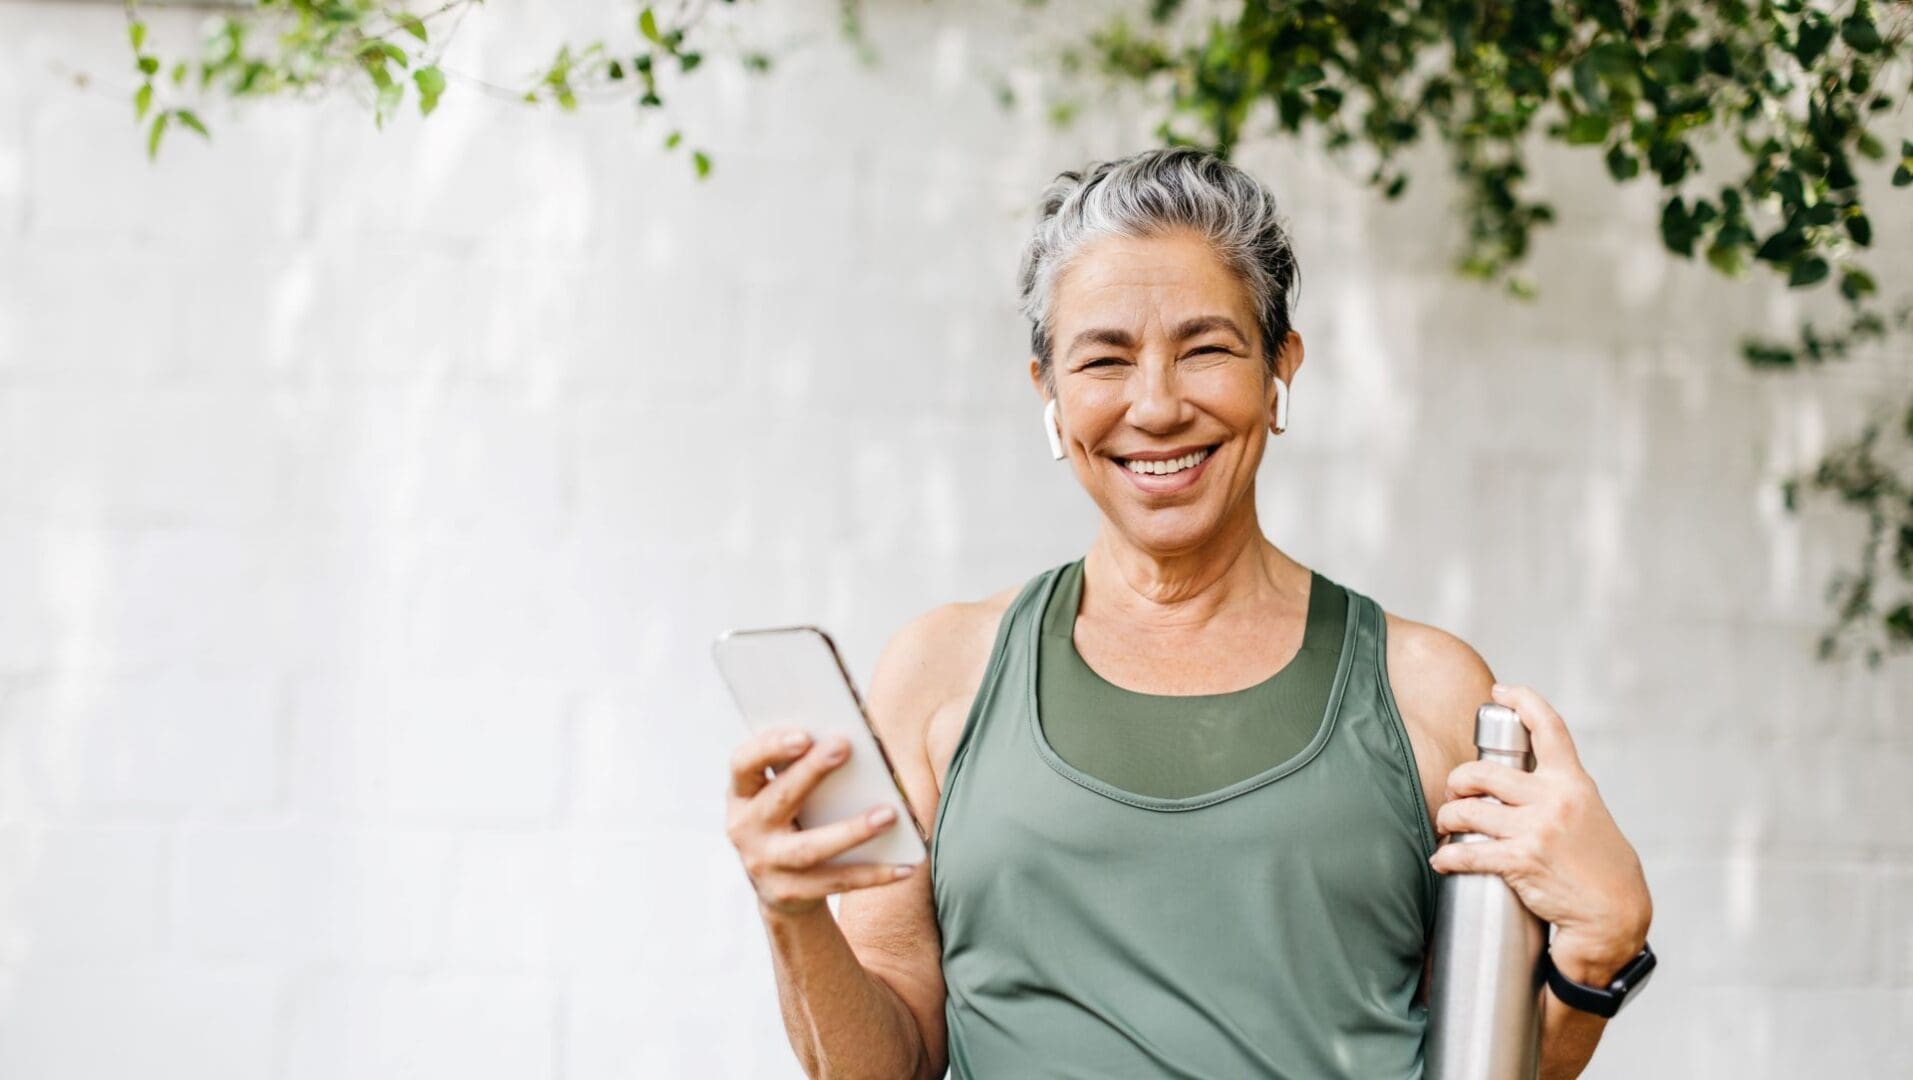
{"points": [[1601, 1001]]}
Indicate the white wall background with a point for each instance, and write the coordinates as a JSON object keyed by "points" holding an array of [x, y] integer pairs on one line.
{"points": [[368, 501]]}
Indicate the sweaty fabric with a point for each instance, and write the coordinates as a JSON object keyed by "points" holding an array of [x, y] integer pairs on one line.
{"points": [[1181, 745], [1272, 927]]}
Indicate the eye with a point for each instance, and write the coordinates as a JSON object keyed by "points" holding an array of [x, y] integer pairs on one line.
{"points": [[1214, 348], [1102, 360]]}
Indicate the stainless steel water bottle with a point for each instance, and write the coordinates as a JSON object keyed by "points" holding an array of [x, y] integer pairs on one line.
{"points": [[1484, 1003]]}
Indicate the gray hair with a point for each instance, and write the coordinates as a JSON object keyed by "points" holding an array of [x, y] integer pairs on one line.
{"points": [[1146, 194]]}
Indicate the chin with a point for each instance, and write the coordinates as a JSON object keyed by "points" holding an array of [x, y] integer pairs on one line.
{"points": [[1168, 530]]}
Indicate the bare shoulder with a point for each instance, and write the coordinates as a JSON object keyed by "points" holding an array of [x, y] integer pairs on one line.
{"points": [[921, 690], [1438, 681]]}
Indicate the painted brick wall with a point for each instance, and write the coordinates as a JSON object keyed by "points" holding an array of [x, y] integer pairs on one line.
{"points": [[368, 501]]}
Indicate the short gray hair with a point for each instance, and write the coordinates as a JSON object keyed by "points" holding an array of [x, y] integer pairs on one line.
{"points": [[1149, 193]]}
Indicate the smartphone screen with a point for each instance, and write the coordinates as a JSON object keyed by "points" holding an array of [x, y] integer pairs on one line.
{"points": [[793, 676]]}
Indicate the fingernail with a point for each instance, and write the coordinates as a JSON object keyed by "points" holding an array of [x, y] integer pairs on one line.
{"points": [[901, 871], [882, 815], [797, 741], [837, 751], [1500, 688]]}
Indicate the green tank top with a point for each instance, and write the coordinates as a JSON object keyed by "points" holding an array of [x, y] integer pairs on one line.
{"points": [[1272, 927], [1182, 744]]}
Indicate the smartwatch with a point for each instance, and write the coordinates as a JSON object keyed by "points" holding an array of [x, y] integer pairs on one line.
{"points": [[1601, 1001]]}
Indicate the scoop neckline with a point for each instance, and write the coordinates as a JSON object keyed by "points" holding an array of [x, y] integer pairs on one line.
{"points": [[1309, 641], [1343, 664]]}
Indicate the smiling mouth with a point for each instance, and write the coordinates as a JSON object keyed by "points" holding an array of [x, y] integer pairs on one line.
{"points": [[1168, 466]]}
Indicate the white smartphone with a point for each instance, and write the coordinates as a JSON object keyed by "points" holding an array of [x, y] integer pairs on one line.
{"points": [[793, 676]]}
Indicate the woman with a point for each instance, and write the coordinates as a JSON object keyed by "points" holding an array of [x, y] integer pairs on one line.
{"points": [[1179, 789]]}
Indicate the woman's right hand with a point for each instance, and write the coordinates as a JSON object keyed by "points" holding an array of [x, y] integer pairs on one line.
{"points": [[785, 863]]}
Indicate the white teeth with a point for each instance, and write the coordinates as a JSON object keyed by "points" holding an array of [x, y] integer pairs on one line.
{"points": [[1163, 468]]}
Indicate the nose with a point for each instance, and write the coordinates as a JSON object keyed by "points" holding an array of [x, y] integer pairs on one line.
{"points": [[1157, 402]]}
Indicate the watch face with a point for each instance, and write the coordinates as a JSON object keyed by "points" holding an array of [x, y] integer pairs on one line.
{"points": [[1637, 976]]}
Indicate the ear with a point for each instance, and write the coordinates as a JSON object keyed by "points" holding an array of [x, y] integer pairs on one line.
{"points": [[1287, 362], [1036, 378], [1289, 359]]}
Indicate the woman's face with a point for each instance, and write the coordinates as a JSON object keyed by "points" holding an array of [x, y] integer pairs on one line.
{"points": [[1161, 392]]}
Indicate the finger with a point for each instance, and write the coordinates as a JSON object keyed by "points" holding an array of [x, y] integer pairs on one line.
{"points": [[1477, 857], [1553, 746], [779, 800], [807, 848], [1516, 787], [801, 887], [760, 752], [1478, 815]]}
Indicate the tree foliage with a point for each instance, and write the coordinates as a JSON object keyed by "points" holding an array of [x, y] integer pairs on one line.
{"points": [[1798, 91], [388, 52]]}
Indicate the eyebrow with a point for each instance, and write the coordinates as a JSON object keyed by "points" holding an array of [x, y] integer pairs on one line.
{"points": [[1200, 324]]}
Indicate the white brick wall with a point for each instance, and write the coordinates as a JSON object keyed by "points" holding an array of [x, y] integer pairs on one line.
{"points": [[368, 501]]}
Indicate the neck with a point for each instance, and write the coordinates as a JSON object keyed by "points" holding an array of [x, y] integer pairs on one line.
{"points": [[1236, 567]]}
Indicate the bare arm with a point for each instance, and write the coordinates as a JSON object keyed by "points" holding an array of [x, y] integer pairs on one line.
{"points": [[862, 990], [842, 1019], [1556, 844]]}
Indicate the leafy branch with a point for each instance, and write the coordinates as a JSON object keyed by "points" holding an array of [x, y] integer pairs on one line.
{"points": [[389, 51], [1795, 87]]}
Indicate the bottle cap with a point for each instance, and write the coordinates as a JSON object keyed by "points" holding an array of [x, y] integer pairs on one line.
{"points": [[1498, 728]]}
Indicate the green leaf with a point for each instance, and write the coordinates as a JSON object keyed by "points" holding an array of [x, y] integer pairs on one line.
{"points": [[180, 70], [1587, 128], [1807, 272], [1679, 229], [136, 33], [1860, 229], [390, 95], [142, 100], [148, 64], [1719, 60], [1788, 184], [412, 25], [1622, 165], [191, 120], [1859, 32], [156, 132], [1856, 283], [688, 61], [648, 26], [701, 162], [1899, 621], [671, 141], [1815, 34], [431, 83], [1587, 83], [1902, 176], [1782, 246], [373, 50], [1303, 75], [1726, 258]]}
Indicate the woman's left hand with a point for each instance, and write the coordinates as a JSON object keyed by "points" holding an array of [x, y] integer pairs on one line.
{"points": [[1554, 843]]}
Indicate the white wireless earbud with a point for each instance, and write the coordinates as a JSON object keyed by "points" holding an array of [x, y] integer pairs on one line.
{"points": [[1055, 434], [1281, 404]]}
